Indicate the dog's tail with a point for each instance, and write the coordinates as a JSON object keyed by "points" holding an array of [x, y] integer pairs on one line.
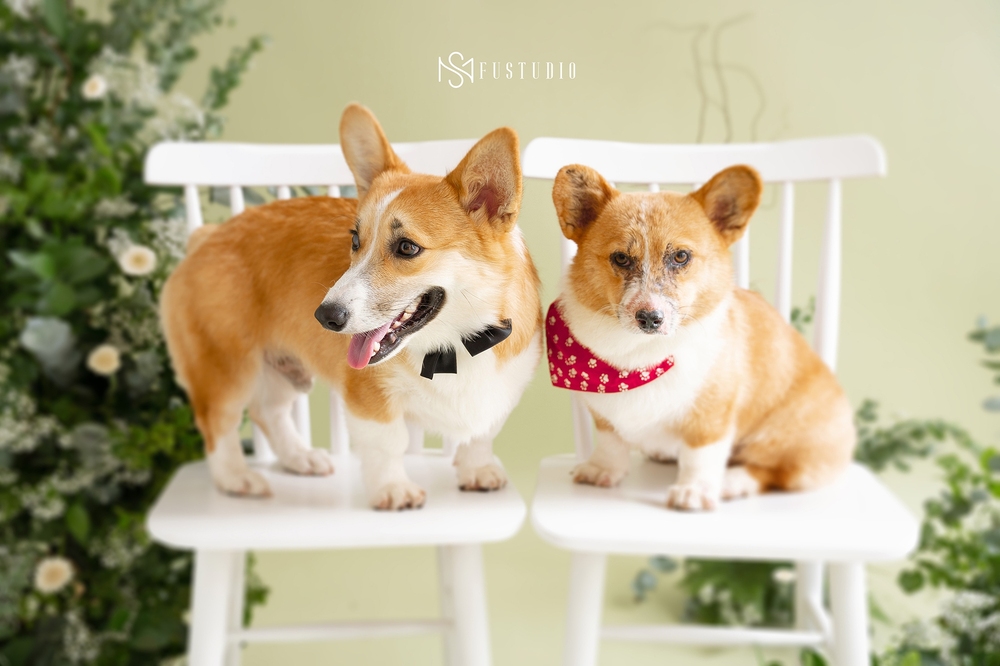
{"points": [[199, 236]]}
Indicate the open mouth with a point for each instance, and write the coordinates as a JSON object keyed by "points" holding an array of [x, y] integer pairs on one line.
{"points": [[377, 344]]}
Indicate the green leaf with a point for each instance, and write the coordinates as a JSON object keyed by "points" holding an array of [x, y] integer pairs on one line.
{"points": [[55, 14], [80, 264], [19, 651], [119, 619], [39, 263], [58, 300], [156, 628], [911, 581], [78, 523], [809, 657], [97, 138]]}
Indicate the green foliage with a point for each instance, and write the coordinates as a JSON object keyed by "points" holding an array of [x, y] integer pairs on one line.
{"points": [[92, 424]]}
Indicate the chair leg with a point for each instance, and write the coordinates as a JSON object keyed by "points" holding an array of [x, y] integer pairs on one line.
{"points": [[583, 616], [463, 589], [446, 587], [849, 606], [237, 596], [210, 606], [808, 592]]}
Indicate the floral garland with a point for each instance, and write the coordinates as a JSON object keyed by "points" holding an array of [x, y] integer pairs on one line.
{"points": [[92, 423]]}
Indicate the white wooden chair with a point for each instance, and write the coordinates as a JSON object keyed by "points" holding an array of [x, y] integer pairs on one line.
{"points": [[311, 512], [854, 521]]}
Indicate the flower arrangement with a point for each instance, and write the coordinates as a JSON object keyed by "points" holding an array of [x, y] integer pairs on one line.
{"points": [[92, 423]]}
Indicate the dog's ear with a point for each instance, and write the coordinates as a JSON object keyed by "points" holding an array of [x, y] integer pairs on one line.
{"points": [[729, 199], [488, 179], [365, 147], [580, 194]]}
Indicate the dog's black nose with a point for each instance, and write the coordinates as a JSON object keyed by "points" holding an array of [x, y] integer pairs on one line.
{"points": [[333, 316], [649, 321]]}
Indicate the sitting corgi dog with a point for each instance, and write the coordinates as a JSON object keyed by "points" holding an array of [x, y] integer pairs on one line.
{"points": [[672, 359], [427, 306]]}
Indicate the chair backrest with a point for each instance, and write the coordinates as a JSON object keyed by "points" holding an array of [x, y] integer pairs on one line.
{"points": [[830, 159], [239, 165]]}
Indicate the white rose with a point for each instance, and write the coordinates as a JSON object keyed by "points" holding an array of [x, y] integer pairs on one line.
{"points": [[95, 87], [137, 260], [104, 360], [52, 574]]}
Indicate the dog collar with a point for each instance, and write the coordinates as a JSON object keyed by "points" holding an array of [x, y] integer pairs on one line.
{"points": [[575, 367], [444, 360]]}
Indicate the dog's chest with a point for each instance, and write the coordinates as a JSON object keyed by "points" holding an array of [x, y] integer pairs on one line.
{"points": [[472, 402], [650, 412]]}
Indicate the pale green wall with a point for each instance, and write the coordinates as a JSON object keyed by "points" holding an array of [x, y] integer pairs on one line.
{"points": [[920, 246]]}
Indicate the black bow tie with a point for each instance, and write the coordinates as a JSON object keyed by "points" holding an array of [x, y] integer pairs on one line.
{"points": [[444, 361]]}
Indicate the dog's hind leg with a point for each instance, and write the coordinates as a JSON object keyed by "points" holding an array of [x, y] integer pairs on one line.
{"points": [[281, 380], [218, 398]]}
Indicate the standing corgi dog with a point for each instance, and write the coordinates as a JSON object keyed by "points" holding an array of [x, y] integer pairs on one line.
{"points": [[427, 306], [672, 359]]}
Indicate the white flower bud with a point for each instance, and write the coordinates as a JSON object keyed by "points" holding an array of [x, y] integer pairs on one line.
{"points": [[95, 87], [104, 360], [52, 574], [137, 260]]}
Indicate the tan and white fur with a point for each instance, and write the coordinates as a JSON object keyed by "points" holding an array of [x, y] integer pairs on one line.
{"points": [[414, 265], [748, 406]]}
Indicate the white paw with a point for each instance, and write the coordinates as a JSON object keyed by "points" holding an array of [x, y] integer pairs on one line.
{"points": [[311, 462], [488, 477], [739, 483], [241, 481], [399, 495], [697, 496], [595, 475]]}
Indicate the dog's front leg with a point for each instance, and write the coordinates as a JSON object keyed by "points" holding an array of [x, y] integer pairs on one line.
{"points": [[700, 473], [608, 464], [477, 468], [381, 447]]}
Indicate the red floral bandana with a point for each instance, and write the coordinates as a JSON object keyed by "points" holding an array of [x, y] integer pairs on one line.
{"points": [[577, 368]]}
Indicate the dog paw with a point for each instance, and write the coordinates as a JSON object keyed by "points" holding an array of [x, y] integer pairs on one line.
{"points": [[595, 475], [739, 483], [485, 478], [697, 496], [398, 496], [310, 462], [242, 482]]}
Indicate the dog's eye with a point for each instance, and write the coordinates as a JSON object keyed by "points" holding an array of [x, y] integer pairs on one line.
{"points": [[680, 257], [621, 260], [355, 241], [407, 248]]}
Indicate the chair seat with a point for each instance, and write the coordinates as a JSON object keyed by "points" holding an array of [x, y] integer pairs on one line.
{"points": [[330, 512], [854, 519]]}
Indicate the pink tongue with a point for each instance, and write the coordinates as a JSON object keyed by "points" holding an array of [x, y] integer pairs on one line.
{"points": [[360, 351]]}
